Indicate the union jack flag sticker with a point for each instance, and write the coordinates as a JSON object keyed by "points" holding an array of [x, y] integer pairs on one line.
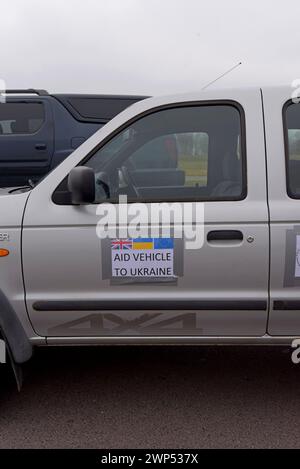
{"points": [[121, 244]]}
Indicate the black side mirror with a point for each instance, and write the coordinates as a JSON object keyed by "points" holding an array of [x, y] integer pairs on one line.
{"points": [[81, 184]]}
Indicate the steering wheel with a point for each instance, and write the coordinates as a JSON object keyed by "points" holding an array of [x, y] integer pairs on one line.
{"points": [[129, 181]]}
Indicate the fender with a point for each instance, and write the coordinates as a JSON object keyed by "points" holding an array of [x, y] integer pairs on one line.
{"points": [[13, 332]]}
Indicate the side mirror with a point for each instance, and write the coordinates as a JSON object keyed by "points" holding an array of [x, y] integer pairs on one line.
{"points": [[81, 184]]}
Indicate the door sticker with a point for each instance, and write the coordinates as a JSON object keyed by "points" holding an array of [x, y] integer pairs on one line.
{"points": [[166, 323], [142, 257], [292, 258], [142, 260]]}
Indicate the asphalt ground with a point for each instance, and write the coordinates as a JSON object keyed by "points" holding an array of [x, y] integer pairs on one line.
{"points": [[153, 397]]}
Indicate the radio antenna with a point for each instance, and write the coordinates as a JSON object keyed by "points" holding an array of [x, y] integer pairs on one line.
{"points": [[221, 76]]}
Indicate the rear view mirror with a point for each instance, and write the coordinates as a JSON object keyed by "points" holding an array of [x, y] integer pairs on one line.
{"points": [[81, 184]]}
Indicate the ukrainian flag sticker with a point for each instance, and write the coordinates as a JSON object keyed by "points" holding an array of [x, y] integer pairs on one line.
{"points": [[142, 243]]}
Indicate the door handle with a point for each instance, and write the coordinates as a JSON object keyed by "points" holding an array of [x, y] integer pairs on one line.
{"points": [[225, 235], [40, 146]]}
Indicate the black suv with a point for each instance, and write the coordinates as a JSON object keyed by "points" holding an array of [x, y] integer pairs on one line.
{"points": [[38, 130]]}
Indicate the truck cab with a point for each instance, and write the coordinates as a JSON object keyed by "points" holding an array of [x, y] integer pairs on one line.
{"points": [[229, 164]]}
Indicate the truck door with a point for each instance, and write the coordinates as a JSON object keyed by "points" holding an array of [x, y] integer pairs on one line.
{"points": [[75, 286], [26, 140], [282, 121]]}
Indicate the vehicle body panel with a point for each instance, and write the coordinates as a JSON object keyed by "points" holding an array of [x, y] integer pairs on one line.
{"points": [[70, 254], [284, 218], [12, 296]]}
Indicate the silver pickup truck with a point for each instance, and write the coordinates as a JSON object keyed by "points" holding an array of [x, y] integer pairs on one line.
{"points": [[236, 154]]}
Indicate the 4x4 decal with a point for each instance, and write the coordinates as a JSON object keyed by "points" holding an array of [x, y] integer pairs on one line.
{"points": [[118, 324]]}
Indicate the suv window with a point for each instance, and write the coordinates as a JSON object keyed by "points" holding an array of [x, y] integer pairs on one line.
{"points": [[21, 118], [183, 153], [292, 142]]}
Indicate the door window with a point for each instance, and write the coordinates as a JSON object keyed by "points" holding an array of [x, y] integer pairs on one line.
{"points": [[21, 118], [183, 153], [292, 143]]}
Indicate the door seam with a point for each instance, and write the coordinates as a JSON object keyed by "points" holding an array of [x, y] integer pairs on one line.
{"points": [[268, 210]]}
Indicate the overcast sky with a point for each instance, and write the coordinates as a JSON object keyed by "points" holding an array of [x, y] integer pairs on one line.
{"points": [[147, 46]]}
